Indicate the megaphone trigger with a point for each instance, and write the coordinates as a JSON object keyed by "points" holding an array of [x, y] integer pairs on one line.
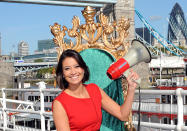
{"points": [[127, 73]]}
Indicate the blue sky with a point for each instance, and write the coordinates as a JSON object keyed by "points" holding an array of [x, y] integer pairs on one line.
{"points": [[30, 22], [156, 12]]}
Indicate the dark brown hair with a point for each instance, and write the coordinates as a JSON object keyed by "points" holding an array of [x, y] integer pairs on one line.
{"points": [[62, 83]]}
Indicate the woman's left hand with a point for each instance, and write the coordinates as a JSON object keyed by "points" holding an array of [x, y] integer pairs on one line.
{"points": [[132, 77]]}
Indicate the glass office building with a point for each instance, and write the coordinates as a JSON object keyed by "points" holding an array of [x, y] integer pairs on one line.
{"points": [[45, 44], [48, 44], [177, 27]]}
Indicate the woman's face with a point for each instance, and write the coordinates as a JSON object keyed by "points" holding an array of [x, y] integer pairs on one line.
{"points": [[72, 71]]}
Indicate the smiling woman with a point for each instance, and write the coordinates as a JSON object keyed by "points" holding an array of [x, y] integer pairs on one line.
{"points": [[79, 105]]}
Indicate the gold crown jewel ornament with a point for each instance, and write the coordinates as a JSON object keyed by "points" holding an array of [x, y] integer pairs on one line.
{"points": [[93, 35]]}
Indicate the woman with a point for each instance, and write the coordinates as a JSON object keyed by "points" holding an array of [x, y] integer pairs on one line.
{"points": [[78, 107]]}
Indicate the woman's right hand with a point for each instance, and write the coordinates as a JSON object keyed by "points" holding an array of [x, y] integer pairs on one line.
{"points": [[131, 78]]}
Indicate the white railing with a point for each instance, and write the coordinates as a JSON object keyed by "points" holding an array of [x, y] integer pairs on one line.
{"points": [[157, 108], [4, 109], [21, 128], [180, 109]]}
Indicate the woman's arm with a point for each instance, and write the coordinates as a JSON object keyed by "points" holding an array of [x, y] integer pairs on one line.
{"points": [[60, 117], [121, 112]]}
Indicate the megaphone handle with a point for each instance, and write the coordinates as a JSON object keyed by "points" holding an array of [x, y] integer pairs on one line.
{"points": [[127, 72]]}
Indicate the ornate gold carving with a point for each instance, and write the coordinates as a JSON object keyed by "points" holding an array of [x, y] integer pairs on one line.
{"points": [[93, 35]]}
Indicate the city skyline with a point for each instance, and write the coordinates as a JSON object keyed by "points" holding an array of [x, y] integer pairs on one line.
{"points": [[30, 22]]}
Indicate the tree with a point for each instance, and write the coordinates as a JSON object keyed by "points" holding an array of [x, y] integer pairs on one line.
{"points": [[38, 60], [42, 72]]}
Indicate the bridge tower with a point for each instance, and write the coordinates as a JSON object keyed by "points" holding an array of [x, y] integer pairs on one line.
{"points": [[123, 8], [0, 44]]}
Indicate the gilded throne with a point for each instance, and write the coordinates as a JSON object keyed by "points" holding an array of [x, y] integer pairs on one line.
{"points": [[100, 44]]}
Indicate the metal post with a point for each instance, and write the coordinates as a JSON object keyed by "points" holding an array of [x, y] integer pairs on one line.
{"points": [[160, 67], [14, 121], [24, 122], [48, 124], [149, 117], [35, 124], [179, 109], [4, 110], [42, 110], [171, 110]]}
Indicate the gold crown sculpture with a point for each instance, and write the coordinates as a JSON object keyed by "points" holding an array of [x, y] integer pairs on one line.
{"points": [[91, 33], [95, 35]]}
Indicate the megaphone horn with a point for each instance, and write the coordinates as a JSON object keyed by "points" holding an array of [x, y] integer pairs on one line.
{"points": [[136, 54]]}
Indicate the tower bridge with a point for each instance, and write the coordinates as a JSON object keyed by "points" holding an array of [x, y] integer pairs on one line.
{"points": [[24, 67], [172, 48], [165, 43]]}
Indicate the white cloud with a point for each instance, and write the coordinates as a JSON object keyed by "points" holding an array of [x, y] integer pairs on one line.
{"points": [[155, 18]]}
